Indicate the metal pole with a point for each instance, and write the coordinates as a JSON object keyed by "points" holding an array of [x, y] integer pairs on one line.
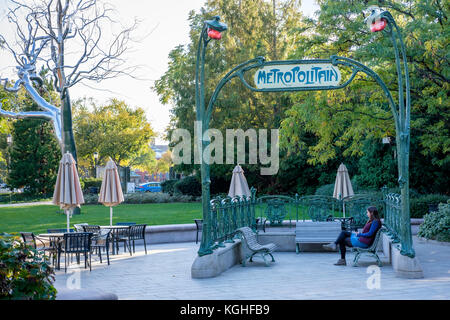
{"points": [[205, 245], [403, 128], [214, 26]]}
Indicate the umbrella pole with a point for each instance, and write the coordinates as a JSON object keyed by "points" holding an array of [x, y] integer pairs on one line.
{"points": [[68, 220], [110, 216], [343, 208]]}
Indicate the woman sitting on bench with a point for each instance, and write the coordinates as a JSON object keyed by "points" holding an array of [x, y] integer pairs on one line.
{"points": [[361, 240]]}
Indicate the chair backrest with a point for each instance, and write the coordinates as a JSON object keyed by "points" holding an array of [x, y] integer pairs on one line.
{"points": [[125, 223], [91, 228], [137, 232], [79, 226], [249, 236], [77, 242], [198, 223], [59, 230], [374, 244], [29, 239]]}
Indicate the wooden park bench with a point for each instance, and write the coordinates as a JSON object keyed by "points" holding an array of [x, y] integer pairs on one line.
{"points": [[372, 250], [248, 238], [321, 232]]}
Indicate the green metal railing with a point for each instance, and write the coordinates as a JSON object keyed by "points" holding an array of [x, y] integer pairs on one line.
{"points": [[229, 214], [395, 224]]}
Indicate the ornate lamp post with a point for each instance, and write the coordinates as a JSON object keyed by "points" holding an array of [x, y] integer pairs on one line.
{"points": [[380, 20], [211, 30]]}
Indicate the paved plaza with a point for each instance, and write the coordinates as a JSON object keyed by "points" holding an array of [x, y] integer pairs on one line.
{"points": [[164, 273]]}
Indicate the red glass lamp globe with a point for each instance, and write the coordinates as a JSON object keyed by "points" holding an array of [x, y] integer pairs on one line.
{"points": [[214, 34]]}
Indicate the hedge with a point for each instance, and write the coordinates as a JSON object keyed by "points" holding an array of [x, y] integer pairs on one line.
{"points": [[188, 186], [419, 206], [144, 197], [436, 225], [168, 186]]}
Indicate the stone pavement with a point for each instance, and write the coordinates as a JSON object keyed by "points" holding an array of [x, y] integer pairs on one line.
{"points": [[164, 273]]}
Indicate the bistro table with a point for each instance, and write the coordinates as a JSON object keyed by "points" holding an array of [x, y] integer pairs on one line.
{"points": [[116, 232], [56, 240]]}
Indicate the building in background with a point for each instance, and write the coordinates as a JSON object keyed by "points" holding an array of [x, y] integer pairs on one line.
{"points": [[159, 149]]}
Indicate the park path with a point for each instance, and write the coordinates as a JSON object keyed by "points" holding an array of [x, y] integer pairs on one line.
{"points": [[26, 204], [164, 273]]}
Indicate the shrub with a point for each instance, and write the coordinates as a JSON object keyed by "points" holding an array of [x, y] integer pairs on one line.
{"points": [[23, 197], [419, 206], [168, 186], [328, 189], [87, 183], [325, 190], [189, 186], [154, 197], [24, 272], [90, 198], [436, 225], [144, 197]]}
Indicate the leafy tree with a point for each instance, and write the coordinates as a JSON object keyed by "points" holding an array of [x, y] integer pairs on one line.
{"points": [[350, 118], [257, 28], [145, 160], [35, 156], [319, 130], [114, 130], [164, 163], [35, 153]]}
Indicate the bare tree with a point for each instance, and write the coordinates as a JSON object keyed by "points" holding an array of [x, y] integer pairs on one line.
{"points": [[66, 37]]}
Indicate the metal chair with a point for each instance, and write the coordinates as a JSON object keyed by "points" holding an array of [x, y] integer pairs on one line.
{"points": [[120, 235], [136, 232], [97, 235], [77, 243], [31, 240], [102, 242], [198, 225]]}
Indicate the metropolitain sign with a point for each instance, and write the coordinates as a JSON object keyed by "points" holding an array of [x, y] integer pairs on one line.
{"points": [[290, 76]]}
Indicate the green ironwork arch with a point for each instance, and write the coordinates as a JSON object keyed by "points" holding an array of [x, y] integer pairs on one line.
{"points": [[400, 111], [356, 67]]}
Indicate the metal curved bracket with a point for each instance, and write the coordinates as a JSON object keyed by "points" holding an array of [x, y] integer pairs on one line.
{"points": [[259, 62]]}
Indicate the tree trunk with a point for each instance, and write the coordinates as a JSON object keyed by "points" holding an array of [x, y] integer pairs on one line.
{"points": [[68, 140]]}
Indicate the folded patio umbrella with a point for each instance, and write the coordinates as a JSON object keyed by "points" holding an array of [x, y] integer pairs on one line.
{"points": [[111, 191], [68, 194], [342, 186], [238, 186]]}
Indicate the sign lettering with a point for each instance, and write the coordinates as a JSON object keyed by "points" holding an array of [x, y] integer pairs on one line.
{"points": [[286, 76]]}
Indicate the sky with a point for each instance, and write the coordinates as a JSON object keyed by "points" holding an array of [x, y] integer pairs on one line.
{"points": [[163, 26]]}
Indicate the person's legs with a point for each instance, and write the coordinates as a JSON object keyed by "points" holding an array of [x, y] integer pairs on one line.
{"points": [[342, 246], [342, 236], [344, 242], [340, 239]]}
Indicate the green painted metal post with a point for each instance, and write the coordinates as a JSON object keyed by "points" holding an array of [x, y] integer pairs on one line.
{"points": [[205, 37], [402, 117]]}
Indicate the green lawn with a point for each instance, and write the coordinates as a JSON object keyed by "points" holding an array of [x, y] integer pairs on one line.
{"points": [[39, 218]]}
